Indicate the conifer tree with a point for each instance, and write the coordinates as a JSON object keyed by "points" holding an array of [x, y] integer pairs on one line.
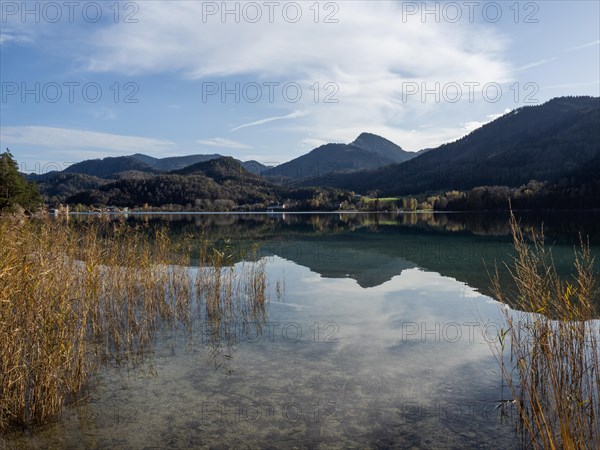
{"points": [[14, 188]]}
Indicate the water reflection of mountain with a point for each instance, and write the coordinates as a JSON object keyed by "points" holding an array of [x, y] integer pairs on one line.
{"points": [[343, 257], [373, 248]]}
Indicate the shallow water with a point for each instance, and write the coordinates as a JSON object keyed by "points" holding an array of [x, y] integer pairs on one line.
{"points": [[380, 339]]}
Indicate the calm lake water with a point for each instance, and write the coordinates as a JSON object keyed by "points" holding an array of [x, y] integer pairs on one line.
{"points": [[376, 336]]}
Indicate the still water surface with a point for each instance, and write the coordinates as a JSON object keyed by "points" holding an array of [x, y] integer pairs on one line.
{"points": [[377, 335]]}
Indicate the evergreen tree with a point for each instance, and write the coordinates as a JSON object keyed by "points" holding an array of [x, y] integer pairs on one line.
{"points": [[14, 189]]}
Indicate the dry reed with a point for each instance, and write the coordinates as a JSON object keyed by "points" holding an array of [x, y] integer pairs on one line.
{"points": [[552, 369], [74, 296], [234, 301]]}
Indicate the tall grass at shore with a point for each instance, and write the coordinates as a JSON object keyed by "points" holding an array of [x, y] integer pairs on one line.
{"points": [[553, 366], [233, 301], [75, 296]]}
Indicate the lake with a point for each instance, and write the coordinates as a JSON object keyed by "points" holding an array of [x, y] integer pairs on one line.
{"points": [[377, 335]]}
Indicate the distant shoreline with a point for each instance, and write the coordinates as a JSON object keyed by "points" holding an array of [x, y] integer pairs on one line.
{"points": [[279, 213]]}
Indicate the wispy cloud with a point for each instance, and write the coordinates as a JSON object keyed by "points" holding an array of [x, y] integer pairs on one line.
{"points": [[293, 115], [8, 36], [541, 62], [554, 58], [103, 113], [589, 44], [222, 142], [61, 138], [571, 85]]}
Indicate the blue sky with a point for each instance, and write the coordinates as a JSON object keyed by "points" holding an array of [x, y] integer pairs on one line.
{"points": [[92, 79]]}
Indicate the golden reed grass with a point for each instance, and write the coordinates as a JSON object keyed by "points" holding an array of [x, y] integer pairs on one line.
{"points": [[552, 369], [77, 295]]}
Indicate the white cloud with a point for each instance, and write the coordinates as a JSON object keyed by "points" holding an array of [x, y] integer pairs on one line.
{"points": [[369, 55], [468, 127], [368, 39], [68, 138], [293, 115], [222, 142]]}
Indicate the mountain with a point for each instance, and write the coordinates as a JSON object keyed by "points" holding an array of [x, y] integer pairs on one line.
{"points": [[109, 167], [367, 151], [217, 184], [174, 162], [544, 142]]}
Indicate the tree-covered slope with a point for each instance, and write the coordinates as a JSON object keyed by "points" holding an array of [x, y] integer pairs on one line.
{"points": [[542, 142]]}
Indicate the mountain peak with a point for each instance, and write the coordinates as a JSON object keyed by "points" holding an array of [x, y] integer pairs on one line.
{"points": [[382, 146], [367, 151], [366, 135]]}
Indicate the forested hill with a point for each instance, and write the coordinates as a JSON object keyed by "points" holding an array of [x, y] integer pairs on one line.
{"points": [[221, 170], [199, 186], [216, 185], [545, 142]]}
